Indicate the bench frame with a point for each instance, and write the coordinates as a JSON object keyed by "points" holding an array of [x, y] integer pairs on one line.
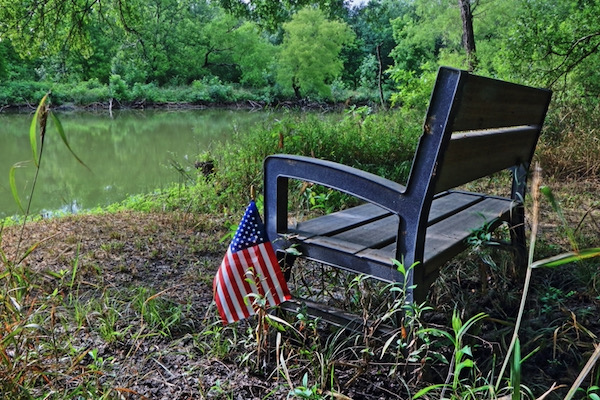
{"points": [[474, 127]]}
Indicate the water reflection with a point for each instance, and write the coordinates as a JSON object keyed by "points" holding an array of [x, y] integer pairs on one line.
{"points": [[133, 152]]}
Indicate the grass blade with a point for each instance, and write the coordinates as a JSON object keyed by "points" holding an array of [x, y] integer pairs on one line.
{"points": [[516, 371], [61, 132], [33, 129], [13, 186], [564, 258]]}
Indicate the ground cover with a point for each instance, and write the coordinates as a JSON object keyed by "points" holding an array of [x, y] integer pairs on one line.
{"points": [[120, 306]]}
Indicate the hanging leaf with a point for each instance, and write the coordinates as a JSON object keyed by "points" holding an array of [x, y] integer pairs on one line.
{"points": [[61, 132], [13, 185], [33, 128]]}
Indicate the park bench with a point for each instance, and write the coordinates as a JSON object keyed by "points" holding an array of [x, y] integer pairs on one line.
{"points": [[474, 127]]}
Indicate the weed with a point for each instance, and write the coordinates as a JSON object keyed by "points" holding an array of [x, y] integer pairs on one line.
{"points": [[158, 313], [304, 391], [36, 359], [461, 361], [553, 298]]}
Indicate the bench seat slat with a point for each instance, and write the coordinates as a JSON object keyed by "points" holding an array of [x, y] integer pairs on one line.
{"points": [[449, 203], [340, 221], [376, 234], [444, 238], [331, 224]]}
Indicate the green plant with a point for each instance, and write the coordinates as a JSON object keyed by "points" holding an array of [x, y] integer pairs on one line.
{"points": [[156, 312], [304, 391], [461, 359], [551, 262], [36, 355], [554, 298]]}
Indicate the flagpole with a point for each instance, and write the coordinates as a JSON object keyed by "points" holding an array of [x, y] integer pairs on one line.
{"points": [[252, 193]]}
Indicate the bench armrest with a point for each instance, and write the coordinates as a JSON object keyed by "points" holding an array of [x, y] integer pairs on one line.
{"points": [[364, 185]]}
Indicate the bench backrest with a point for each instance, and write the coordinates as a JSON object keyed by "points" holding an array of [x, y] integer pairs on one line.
{"points": [[496, 127], [475, 126]]}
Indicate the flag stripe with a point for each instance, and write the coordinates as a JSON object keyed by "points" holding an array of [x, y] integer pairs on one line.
{"points": [[225, 300], [217, 294], [243, 285], [274, 272], [235, 287], [249, 268], [264, 262], [246, 285], [262, 276]]}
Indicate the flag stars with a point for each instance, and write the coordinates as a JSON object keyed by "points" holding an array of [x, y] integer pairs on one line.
{"points": [[250, 232]]}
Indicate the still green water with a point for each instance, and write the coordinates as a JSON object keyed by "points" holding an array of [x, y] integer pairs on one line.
{"points": [[131, 152]]}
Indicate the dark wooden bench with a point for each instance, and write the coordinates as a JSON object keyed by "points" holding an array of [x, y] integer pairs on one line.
{"points": [[474, 127]]}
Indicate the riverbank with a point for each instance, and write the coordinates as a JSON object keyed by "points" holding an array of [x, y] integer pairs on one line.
{"points": [[92, 95], [249, 105]]}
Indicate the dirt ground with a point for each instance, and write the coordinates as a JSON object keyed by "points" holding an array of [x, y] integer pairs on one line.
{"points": [[174, 256]]}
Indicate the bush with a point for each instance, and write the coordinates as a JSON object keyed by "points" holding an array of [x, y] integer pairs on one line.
{"points": [[381, 143], [92, 91], [22, 92], [118, 88]]}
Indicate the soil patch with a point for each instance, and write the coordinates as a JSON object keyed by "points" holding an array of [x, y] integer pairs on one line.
{"points": [[132, 309]]}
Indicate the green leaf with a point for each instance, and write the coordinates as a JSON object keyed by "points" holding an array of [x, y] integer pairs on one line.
{"points": [[13, 186], [293, 251], [565, 258], [516, 371], [467, 350], [546, 191], [33, 136], [428, 389], [437, 332], [399, 267], [61, 132], [33, 129]]}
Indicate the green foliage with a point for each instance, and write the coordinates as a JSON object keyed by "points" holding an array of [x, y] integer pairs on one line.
{"points": [[32, 349], [272, 14], [118, 88], [462, 359], [304, 391], [309, 58], [254, 56], [161, 315]]}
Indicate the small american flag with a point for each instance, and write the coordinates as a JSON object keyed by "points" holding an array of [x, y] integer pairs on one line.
{"points": [[250, 267]]}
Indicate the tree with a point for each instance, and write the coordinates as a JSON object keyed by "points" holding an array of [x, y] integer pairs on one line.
{"points": [[557, 43], [271, 14], [468, 36], [367, 62], [309, 58]]}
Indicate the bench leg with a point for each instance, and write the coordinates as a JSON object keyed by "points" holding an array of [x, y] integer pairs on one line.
{"points": [[519, 240]]}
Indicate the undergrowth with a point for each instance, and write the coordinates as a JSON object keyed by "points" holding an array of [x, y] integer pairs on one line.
{"points": [[482, 336]]}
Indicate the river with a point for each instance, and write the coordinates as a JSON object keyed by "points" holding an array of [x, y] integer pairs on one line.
{"points": [[129, 153]]}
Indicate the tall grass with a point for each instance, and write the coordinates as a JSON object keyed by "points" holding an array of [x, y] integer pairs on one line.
{"points": [[570, 145], [32, 353]]}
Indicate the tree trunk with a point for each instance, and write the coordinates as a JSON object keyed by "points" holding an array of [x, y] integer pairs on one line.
{"points": [[468, 37], [296, 89]]}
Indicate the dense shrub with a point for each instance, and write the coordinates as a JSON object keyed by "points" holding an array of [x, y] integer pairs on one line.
{"points": [[381, 143]]}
